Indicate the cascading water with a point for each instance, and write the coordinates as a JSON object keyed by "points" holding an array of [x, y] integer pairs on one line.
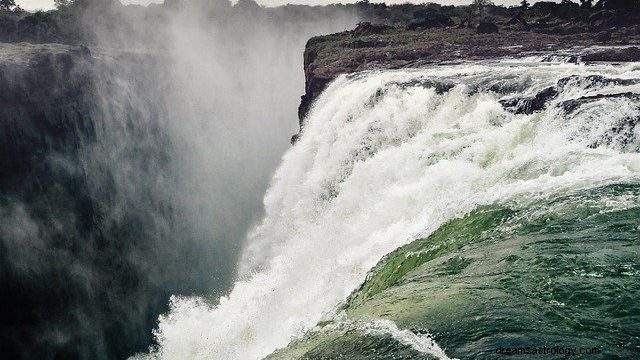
{"points": [[388, 157]]}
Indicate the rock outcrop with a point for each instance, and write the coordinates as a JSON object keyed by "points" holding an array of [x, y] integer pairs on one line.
{"points": [[385, 47]]}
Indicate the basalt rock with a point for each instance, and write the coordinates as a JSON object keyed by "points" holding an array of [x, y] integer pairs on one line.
{"points": [[532, 104], [572, 105]]}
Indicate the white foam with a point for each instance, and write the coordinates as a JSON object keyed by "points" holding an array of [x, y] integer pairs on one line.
{"points": [[377, 165], [423, 343]]}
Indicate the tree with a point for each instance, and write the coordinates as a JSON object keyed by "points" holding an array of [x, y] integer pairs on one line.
{"points": [[524, 4], [7, 4], [480, 6]]}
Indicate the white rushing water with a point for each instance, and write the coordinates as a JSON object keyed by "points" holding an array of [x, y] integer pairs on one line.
{"points": [[423, 343], [385, 158]]}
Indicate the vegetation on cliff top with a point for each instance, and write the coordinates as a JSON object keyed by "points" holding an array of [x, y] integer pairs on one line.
{"points": [[414, 35], [69, 23]]}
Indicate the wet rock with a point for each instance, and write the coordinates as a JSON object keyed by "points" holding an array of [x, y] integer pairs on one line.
{"points": [[531, 104], [43, 90], [313, 87], [562, 57], [294, 138], [440, 87], [57, 102], [603, 36], [591, 81], [572, 105]]}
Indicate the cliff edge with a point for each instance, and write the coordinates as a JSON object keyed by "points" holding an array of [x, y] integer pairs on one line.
{"points": [[558, 29]]}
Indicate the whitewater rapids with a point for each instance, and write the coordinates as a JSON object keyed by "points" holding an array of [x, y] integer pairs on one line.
{"points": [[388, 156]]}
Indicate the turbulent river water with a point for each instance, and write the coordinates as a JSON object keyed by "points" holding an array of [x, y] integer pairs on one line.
{"points": [[442, 212]]}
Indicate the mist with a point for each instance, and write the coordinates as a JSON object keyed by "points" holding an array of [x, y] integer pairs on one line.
{"points": [[189, 110]]}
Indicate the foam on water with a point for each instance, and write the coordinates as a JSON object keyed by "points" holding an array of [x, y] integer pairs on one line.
{"points": [[384, 158], [420, 342]]}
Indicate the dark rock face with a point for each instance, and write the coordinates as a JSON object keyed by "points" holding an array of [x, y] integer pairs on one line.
{"points": [[570, 106], [383, 47], [39, 107], [519, 21], [530, 105], [487, 27], [90, 242], [54, 257], [592, 81], [359, 44], [540, 100]]}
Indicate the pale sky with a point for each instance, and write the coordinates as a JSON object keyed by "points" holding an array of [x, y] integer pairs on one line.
{"points": [[48, 4]]}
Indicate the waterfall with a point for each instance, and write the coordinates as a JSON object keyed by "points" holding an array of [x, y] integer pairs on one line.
{"points": [[386, 157]]}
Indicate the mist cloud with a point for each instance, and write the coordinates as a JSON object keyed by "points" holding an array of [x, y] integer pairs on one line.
{"points": [[173, 125]]}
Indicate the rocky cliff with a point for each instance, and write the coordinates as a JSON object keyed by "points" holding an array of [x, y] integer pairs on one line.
{"points": [[548, 32], [90, 242]]}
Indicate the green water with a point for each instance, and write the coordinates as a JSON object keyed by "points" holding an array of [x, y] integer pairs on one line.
{"points": [[559, 272]]}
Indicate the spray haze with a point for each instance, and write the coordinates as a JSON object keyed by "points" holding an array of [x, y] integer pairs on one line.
{"points": [[179, 115], [152, 206], [386, 158]]}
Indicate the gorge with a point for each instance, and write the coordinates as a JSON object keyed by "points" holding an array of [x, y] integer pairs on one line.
{"points": [[449, 194]]}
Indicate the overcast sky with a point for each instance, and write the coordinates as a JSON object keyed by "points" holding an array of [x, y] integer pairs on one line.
{"points": [[48, 4]]}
